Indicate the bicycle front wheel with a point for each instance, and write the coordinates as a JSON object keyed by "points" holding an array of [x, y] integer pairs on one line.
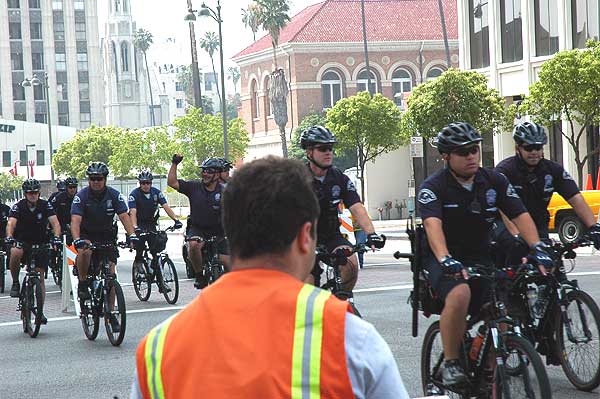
{"points": [[57, 270], [3, 267], [141, 281], [33, 297], [90, 317], [522, 374], [170, 281], [114, 313], [577, 339]]}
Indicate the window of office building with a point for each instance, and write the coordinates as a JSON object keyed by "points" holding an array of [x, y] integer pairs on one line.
{"points": [[79, 4], [40, 117], [80, 31], [512, 31], [178, 86], [34, 3], [36, 30], [61, 62], [331, 88], [14, 30], [362, 81], [16, 61], [38, 93], [57, 5], [13, 4], [585, 17], [39, 157], [84, 91], [62, 92], [479, 34], [37, 61], [82, 62], [546, 27], [6, 160], [20, 117], [179, 103], [85, 119], [59, 30], [23, 157], [18, 92], [63, 119]]}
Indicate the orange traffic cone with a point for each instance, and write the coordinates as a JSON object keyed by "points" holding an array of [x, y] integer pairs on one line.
{"points": [[598, 180], [588, 183]]}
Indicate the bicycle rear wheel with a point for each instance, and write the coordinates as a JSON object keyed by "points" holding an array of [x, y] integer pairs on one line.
{"points": [[216, 271], [113, 313], [522, 374], [57, 270], [90, 318], [33, 297], [141, 281], [169, 280], [580, 352]]}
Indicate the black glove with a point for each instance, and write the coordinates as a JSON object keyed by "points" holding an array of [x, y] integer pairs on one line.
{"points": [[80, 243], [177, 225], [133, 241], [540, 255], [57, 242], [451, 265], [176, 159], [10, 242], [375, 240], [138, 231], [594, 234]]}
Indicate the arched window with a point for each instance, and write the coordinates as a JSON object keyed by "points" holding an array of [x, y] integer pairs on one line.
{"points": [[255, 100], [401, 83], [268, 110], [362, 81], [331, 88], [114, 56], [117, 5], [124, 57], [125, 6], [434, 73]]}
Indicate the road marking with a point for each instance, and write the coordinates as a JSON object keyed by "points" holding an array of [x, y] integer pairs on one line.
{"points": [[389, 288]]}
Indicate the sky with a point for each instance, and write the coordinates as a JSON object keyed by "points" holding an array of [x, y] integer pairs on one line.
{"points": [[164, 18]]}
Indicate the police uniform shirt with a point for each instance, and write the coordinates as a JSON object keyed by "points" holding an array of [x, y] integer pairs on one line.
{"points": [[32, 224], [4, 211], [467, 215], [54, 195], [62, 205], [537, 186], [205, 206], [332, 190], [98, 210], [146, 205]]}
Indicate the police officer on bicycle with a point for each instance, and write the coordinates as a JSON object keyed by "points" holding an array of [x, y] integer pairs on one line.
{"points": [[4, 211], [334, 188], [62, 203], [27, 224], [143, 210], [205, 210], [93, 222], [61, 187], [458, 205], [224, 175]]}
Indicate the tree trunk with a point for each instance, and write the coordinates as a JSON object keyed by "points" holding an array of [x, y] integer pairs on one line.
{"points": [[580, 175], [278, 92], [274, 56], [361, 176], [150, 88], [216, 80]]}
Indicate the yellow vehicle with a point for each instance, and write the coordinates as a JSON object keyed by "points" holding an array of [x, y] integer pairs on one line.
{"points": [[563, 219]]}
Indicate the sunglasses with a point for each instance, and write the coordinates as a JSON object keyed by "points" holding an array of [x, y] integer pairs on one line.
{"points": [[324, 148], [143, 183], [32, 192], [96, 178], [210, 171], [463, 152], [532, 147], [71, 186]]}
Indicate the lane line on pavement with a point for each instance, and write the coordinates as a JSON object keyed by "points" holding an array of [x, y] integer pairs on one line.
{"points": [[389, 288]]}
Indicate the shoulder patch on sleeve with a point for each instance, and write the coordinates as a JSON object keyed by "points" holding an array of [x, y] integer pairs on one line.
{"points": [[566, 175], [511, 192], [77, 199], [426, 196], [131, 198], [350, 186], [121, 198], [15, 208]]}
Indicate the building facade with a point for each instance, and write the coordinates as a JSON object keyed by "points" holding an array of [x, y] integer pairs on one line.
{"points": [[509, 40], [60, 38], [321, 51]]}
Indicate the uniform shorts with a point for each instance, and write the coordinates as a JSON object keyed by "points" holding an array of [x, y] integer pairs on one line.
{"points": [[103, 238], [42, 258], [334, 242], [194, 231]]}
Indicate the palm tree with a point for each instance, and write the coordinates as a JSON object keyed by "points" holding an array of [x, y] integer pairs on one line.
{"points": [[250, 18], [273, 16], [142, 40], [210, 43], [234, 74]]}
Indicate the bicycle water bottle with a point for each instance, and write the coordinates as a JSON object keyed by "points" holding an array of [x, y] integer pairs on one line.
{"points": [[476, 344]]}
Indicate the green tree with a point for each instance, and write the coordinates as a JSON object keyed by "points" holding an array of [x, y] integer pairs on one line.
{"points": [[568, 90], [368, 125], [199, 136], [250, 18], [210, 43], [455, 96], [233, 103], [234, 74], [344, 157], [273, 16], [185, 78], [9, 186], [92, 144], [142, 40]]}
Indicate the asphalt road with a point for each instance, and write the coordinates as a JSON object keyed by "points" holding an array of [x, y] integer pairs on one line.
{"points": [[62, 363]]}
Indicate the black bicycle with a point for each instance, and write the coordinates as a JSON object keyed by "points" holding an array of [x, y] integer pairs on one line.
{"points": [[155, 267], [105, 295], [31, 300], [3, 267], [56, 259], [212, 267], [562, 319]]}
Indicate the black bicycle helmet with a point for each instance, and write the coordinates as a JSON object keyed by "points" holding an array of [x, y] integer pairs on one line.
{"points": [[225, 164], [530, 133], [31, 186], [61, 185], [97, 169], [145, 175], [71, 181], [212, 163], [456, 135], [316, 135]]}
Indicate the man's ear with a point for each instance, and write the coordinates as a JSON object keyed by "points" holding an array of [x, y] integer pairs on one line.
{"points": [[304, 238]]}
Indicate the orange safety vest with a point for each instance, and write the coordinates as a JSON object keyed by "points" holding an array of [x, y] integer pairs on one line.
{"points": [[256, 333]]}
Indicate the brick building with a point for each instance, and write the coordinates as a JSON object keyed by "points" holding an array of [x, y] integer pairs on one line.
{"points": [[321, 50]]}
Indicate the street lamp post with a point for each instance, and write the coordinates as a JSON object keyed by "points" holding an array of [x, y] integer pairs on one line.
{"points": [[190, 17], [366, 49], [35, 81]]}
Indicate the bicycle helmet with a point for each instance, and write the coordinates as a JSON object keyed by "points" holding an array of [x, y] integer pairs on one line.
{"points": [[97, 169], [316, 135], [145, 175], [530, 133], [31, 186], [61, 185], [456, 135], [71, 181], [225, 164], [212, 163]]}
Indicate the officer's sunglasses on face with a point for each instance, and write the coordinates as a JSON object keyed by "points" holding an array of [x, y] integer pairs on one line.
{"points": [[70, 187], [144, 183], [532, 147], [96, 178], [324, 148], [210, 171], [466, 151], [32, 192]]}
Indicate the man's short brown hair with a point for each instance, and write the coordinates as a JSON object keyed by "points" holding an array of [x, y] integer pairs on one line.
{"points": [[265, 204]]}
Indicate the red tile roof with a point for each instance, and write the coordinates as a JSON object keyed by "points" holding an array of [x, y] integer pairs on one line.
{"points": [[339, 21]]}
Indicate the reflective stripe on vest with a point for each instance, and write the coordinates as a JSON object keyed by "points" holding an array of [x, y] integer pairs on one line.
{"points": [[308, 335], [154, 353]]}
